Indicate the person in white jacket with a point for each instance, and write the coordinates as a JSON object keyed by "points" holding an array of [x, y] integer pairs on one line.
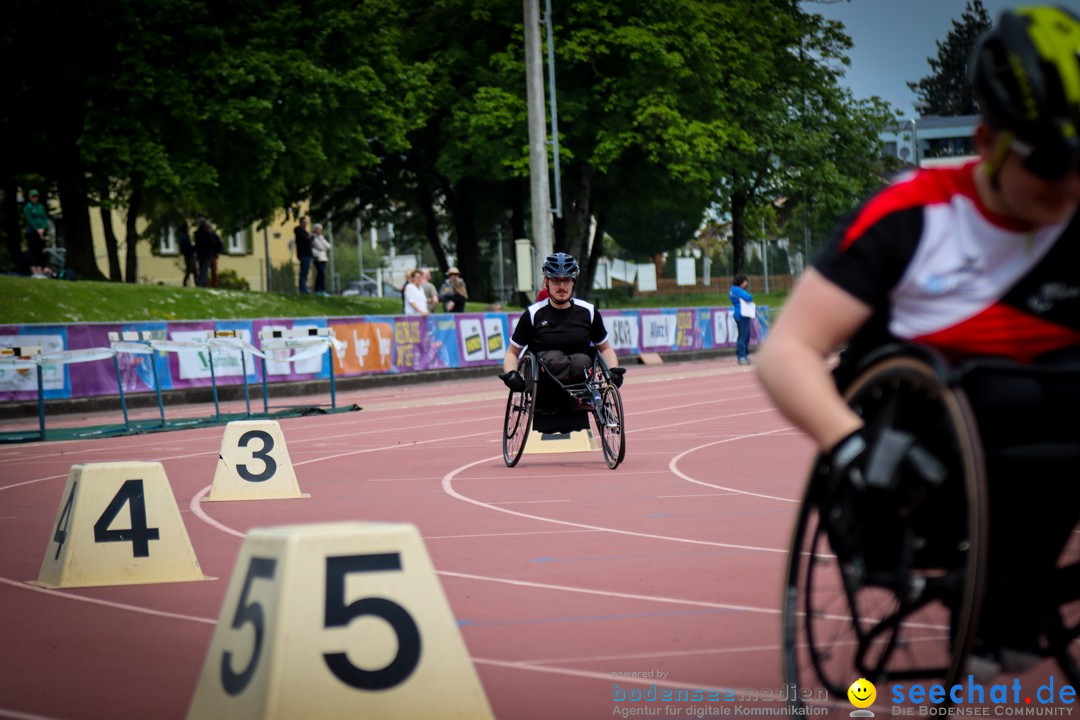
{"points": [[320, 250]]}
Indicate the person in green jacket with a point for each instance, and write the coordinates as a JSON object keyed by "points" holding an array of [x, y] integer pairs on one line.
{"points": [[37, 227]]}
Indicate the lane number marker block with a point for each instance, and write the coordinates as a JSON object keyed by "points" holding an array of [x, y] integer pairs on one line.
{"points": [[118, 524], [254, 464], [543, 443], [337, 620]]}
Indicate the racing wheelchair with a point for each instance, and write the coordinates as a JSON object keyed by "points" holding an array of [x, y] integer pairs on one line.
{"points": [[889, 581], [550, 406]]}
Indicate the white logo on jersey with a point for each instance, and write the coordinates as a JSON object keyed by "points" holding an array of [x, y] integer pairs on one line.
{"points": [[1043, 301]]}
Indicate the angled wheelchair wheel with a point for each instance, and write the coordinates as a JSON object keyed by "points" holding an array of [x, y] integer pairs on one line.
{"points": [[609, 425], [885, 584], [520, 407], [1064, 631]]}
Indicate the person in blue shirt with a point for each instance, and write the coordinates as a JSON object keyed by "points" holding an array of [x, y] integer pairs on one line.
{"points": [[739, 295]]}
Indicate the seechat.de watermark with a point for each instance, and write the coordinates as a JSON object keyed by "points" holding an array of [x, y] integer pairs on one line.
{"points": [[975, 699]]}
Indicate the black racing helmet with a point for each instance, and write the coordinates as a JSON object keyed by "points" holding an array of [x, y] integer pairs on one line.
{"points": [[561, 265], [1026, 75]]}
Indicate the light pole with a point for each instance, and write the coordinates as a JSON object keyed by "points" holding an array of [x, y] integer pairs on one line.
{"points": [[915, 139]]}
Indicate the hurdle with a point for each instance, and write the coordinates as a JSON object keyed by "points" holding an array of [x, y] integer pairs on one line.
{"points": [[230, 339], [137, 342], [24, 358], [308, 341]]}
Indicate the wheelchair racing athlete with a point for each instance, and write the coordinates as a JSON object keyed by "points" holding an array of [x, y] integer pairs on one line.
{"points": [[976, 261], [560, 330]]}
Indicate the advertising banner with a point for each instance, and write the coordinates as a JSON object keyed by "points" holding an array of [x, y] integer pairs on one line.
{"points": [[373, 344]]}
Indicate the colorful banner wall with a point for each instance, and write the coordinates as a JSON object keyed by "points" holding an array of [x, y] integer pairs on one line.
{"points": [[372, 345]]}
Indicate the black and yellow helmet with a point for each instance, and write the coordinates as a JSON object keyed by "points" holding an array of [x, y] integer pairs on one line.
{"points": [[1026, 75]]}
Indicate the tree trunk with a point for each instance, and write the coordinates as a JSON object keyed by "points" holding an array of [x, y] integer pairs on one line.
{"points": [[110, 244], [462, 203], [71, 183], [595, 253], [131, 269], [578, 218], [11, 230], [431, 226]]}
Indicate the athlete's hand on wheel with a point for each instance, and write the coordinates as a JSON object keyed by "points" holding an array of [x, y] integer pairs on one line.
{"points": [[876, 463], [513, 380], [617, 374]]}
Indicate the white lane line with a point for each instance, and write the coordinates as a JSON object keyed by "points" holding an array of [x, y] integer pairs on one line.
{"points": [[505, 534], [723, 494], [107, 603], [674, 467], [448, 488], [612, 594], [529, 502]]}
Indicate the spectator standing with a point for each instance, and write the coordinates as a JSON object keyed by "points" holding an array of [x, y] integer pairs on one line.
{"points": [[430, 293], [303, 252], [743, 311], [415, 302], [205, 248], [320, 250], [37, 227], [187, 251], [453, 292]]}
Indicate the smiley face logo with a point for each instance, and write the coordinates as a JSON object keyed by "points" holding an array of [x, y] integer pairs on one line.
{"points": [[862, 693]]}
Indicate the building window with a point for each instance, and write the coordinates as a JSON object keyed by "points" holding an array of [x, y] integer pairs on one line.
{"points": [[237, 243], [168, 244]]}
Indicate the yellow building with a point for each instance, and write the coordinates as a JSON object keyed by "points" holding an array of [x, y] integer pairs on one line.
{"points": [[160, 262]]}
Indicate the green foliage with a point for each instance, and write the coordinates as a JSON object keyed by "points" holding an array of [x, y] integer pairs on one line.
{"points": [[415, 113], [947, 91], [228, 279]]}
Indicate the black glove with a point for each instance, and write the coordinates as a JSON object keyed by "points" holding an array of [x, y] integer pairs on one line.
{"points": [[513, 380], [617, 374], [864, 466]]}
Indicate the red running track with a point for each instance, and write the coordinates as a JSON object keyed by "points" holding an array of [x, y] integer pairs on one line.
{"points": [[559, 571]]}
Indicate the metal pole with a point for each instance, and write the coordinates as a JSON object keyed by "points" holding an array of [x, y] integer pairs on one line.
{"points": [[266, 395], [41, 400], [554, 142], [330, 238], [269, 265], [157, 385], [538, 165], [243, 369], [915, 138], [120, 387], [765, 254], [502, 281], [213, 383], [359, 248]]}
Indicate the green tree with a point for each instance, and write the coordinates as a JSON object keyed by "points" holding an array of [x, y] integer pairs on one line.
{"points": [[238, 114], [800, 135], [946, 91]]}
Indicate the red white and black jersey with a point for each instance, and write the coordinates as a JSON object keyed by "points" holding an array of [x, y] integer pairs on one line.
{"points": [[543, 327], [941, 269]]}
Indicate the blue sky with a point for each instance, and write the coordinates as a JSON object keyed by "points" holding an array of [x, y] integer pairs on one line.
{"points": [[893, 39]]}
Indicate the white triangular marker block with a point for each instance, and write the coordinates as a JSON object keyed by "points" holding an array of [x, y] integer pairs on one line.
{"points": [[543, 443], [118, 524], [338, 620], [254, 464]]}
